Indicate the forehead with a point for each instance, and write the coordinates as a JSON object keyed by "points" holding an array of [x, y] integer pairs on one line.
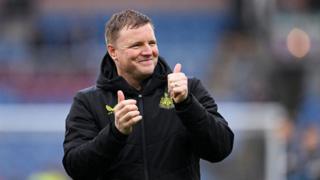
{"points": [[144, 32]]}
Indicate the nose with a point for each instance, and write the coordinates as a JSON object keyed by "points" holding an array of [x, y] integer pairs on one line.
{"points": [[147, 50]]}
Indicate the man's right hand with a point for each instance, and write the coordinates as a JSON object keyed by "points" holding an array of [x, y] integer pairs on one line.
{"points": [[126, 114]]}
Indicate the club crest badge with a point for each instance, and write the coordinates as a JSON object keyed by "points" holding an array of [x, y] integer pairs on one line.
{"points": [[166, 102], [109, 109]]}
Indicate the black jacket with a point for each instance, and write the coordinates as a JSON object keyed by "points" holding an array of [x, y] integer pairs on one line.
{"points": [[166, 144]]}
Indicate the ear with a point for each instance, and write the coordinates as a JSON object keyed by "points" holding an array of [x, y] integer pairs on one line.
{"points": [[112, 51]]}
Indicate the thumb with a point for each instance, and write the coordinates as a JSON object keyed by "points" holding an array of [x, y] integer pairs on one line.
{"points": [[177, 68], [120, 96]]}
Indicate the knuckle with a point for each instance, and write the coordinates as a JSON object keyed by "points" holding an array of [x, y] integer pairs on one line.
{"points": [[130, 115], [133, 107], [133, 114], [116, 115], [126, 108]]}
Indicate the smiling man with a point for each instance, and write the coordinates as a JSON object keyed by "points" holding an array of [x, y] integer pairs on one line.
{"points": [[142, 120]]}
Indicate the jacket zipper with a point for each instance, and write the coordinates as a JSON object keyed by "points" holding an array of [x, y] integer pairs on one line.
{"points": [[144, 148]]}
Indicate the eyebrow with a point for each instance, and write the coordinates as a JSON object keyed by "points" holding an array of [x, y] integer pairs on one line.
{"points": [[140, 43]]}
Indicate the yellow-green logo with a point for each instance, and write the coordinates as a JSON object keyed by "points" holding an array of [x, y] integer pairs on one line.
{"points": [[166, 102], [109, 109]]}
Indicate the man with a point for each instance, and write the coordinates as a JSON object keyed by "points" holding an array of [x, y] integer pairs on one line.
{"points": [[141, 120]]}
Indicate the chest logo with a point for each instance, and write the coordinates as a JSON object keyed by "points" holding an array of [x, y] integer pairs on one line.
{"points": [[166, 101], [109, 109]]}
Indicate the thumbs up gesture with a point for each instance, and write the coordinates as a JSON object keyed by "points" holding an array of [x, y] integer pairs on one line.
{"points": [[178, 84], [126, 114]]}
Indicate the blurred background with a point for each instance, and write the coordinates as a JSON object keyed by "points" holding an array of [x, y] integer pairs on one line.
{"points": [[258, 58]]}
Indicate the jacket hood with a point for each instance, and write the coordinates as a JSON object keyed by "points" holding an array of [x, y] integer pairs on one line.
{"points": [[109, 79]]}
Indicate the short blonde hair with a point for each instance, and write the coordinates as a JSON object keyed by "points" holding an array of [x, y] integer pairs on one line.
{"points": [[120, 20]]}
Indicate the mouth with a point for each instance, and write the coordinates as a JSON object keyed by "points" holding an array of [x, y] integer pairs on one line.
{"points": [[145, 60]]}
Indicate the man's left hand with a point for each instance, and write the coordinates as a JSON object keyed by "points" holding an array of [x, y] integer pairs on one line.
{"points": [[178, 84]]}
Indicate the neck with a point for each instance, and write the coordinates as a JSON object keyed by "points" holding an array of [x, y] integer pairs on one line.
{"points": [[133, 82]]}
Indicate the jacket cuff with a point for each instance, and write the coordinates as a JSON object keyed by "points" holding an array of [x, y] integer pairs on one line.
{"points": [[117, 134], [184, 104], [190, 111], [109, 141]]}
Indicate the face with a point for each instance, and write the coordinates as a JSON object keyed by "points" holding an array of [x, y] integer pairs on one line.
{"points": [[135, 52]]}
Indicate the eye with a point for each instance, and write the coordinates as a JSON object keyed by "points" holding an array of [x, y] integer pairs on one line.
{"points": [[135, 46], [152, 43]]}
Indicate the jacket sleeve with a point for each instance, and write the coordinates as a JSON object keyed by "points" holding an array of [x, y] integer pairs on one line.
{"points": [[88, 151], [211, 137]]}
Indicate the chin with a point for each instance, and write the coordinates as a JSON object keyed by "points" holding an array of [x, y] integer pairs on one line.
{"points": [[147, 73]]}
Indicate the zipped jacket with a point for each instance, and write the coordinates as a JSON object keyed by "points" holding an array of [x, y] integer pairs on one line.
{"points": [[166, 144]]}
